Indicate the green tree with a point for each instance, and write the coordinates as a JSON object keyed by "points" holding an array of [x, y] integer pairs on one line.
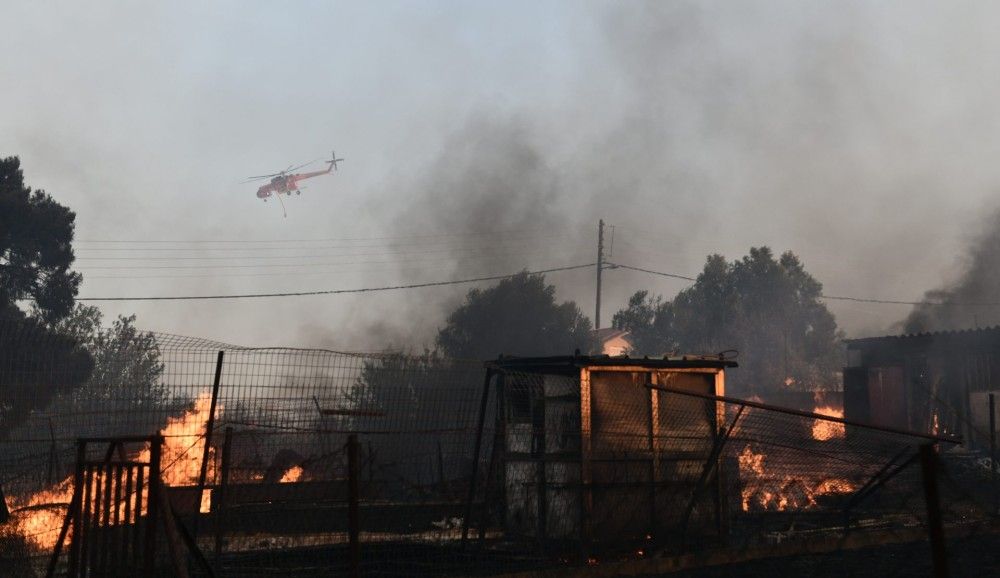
{"points": [[36, 365], [36, 235], [649, 321], [766, 308], [517, 316], [127, 365]]}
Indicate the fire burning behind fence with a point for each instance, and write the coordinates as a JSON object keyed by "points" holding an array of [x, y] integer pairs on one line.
{"points": [[782, 487], [294, 474], [825, 430], [766, 488], [39, 516]]}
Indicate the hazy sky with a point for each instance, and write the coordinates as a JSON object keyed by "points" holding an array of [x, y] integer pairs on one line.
{"points": [[861, 135]]}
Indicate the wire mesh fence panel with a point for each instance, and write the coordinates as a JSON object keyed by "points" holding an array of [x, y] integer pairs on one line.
{"points": [[665, 467], [284, 504], [329, 463]]}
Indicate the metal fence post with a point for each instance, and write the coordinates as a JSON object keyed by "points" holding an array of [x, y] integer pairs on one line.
{"points": [[4, 512], [154, 486], [353, 517], [53, 456], [78, 489], [220, 507], [483, 401], [993, 455], [209, 426], [935, 528]]}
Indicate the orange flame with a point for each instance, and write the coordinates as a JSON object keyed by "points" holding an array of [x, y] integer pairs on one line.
{"points": [[823, 430], [768, 491], [42, 525], [39, 516], [184, 447], [294, 474]]}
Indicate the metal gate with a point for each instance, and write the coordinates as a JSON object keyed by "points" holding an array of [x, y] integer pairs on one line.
{"points": [[114, 509]]}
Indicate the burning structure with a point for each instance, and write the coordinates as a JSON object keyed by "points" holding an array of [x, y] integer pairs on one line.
{"points": [[602, 444], [927, 382]]}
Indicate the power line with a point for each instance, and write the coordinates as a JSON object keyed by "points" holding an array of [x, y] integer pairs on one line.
{"points": [[458, 251], [294, 265], [322, 240], [892, 302], [822, 296], [298, 246], [335, 291], [660, 273], [316, 270]]}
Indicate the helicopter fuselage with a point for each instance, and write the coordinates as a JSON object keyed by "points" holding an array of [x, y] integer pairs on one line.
{"points": [[286, 184]]}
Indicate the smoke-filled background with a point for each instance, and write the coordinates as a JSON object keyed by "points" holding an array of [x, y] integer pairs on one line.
{"points": [[486, 139]]}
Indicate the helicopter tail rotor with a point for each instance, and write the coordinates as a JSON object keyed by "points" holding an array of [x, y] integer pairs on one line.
{"points": [[334, 160]]}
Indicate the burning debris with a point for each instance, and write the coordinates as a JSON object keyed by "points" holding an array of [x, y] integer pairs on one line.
{"points": [[825, 430], [768, 489], [294, 474], [286, 467], [39, 516]]}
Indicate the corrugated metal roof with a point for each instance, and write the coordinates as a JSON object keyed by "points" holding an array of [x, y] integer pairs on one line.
{"points": [[575, 361], [953, 334]]}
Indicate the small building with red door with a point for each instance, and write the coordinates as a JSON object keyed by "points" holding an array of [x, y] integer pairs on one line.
{"points": [[928, 382]]}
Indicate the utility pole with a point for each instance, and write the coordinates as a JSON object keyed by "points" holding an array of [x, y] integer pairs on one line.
{"points": [[600, 267]]}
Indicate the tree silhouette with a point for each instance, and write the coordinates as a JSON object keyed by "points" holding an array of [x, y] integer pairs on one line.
{"points": [[768, 309], [36, 235], [517, 316], [127, 365], [36, 365]]}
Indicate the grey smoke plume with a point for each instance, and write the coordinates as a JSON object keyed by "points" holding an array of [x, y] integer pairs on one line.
{"points": [[490, 202], [712, 128], [490, 182], [973, 300], [839, 130]]}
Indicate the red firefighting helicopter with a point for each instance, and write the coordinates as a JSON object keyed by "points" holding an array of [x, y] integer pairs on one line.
{"points": [[286, 181]]}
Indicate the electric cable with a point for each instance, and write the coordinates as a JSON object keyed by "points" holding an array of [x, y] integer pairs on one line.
{"points": [[335, 291]]}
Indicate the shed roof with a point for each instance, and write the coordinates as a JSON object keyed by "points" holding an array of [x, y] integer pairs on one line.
{"points": [[952, 338], [566, 363]]}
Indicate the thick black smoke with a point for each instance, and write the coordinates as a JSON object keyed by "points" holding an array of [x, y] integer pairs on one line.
{"points": [[974, 300], [690, 143], [489, 203], [490, 195]]}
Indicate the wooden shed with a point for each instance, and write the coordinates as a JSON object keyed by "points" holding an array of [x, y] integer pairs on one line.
{"points": [[592, 451], [929, 382]]}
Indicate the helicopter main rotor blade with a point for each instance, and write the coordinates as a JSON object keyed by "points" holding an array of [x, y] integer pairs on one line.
{"points": [[302, 165], [279, 174]]}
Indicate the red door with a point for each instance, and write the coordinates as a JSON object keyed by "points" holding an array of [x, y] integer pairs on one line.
{"points": [[887, 396]]}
